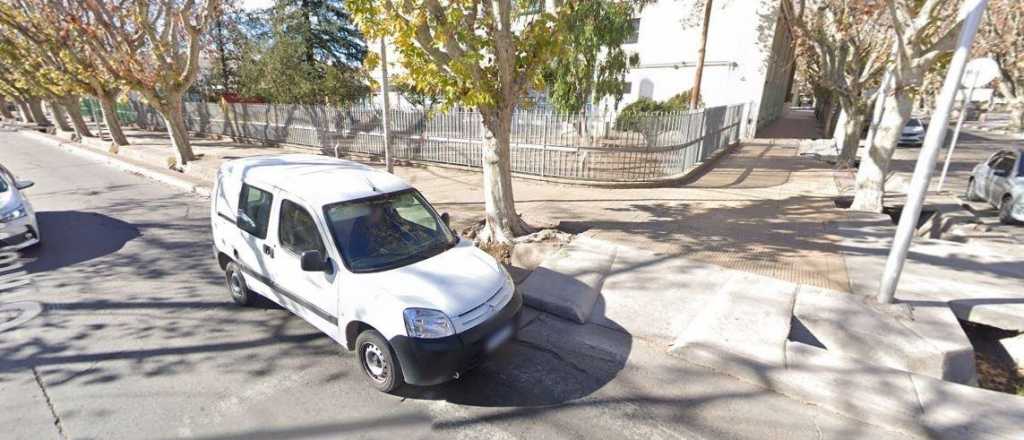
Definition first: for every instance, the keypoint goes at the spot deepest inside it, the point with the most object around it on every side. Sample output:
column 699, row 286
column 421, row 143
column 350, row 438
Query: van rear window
column 254, row 210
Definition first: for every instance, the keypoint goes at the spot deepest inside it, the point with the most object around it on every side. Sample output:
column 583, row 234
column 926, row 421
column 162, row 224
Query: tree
column 482, row 53
column 49, row 58
column 1002, row 38
column 923, row 30
column 849, row 46
column 698, row 75
column 151, row 47
column 311, row 53
column 226, row 49
column 592, row 64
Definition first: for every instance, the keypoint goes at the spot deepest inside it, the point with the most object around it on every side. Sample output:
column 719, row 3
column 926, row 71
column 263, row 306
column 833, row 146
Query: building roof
column 318, row 180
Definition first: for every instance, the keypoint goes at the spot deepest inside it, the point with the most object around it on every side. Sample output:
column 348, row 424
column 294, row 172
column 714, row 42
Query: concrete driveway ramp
column 750, row 317
column 568, row 282
column 980, row 282
column 923, row 339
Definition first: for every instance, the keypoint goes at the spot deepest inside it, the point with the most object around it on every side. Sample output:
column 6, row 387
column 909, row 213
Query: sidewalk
column 761, row 209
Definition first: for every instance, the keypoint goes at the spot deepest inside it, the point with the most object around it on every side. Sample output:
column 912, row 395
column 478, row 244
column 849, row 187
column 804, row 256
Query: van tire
column 378, row 361
column 240, row 292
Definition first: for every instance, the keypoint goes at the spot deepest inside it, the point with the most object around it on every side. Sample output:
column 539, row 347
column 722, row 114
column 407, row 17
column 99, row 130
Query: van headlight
column 14, row 214
column 427, row 324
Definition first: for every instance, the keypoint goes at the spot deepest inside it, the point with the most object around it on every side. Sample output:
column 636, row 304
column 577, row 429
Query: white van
column 362, row 256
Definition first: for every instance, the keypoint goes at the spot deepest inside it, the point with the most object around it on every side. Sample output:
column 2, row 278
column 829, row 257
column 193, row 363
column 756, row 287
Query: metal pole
column 385, row 91
column 956, row 132
column 929, row 153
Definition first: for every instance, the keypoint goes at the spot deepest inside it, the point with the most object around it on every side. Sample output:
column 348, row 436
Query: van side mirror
column 313, row 261
column 446, row 219
column 23, row 184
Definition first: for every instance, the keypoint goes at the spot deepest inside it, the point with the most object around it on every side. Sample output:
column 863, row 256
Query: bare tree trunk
column 59, row 116
column 874, row 163
column 503, row 223
column 1017, row 114
column 699, row 74
column 35, row 108
column 848, row 136
column 176, row 129
column 73, row 107
column 3, row 109
column 109, row 110
column 26, row 113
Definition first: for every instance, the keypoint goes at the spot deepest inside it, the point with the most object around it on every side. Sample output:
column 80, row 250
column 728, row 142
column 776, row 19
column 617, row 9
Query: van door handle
column 268, row 250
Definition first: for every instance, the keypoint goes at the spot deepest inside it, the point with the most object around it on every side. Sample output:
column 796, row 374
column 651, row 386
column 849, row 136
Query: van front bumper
column 435, row 361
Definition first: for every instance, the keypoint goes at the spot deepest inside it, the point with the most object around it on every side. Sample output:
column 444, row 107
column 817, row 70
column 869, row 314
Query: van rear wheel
column 378, row 361
column 240, row 293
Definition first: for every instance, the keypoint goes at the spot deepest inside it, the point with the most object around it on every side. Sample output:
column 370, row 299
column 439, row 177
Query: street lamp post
column 929, row 153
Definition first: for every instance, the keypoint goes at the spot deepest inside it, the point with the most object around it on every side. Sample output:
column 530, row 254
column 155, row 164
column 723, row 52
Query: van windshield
column 388, row 231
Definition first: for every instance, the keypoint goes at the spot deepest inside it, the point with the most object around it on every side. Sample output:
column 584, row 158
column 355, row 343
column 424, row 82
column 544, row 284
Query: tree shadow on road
column 72, row 237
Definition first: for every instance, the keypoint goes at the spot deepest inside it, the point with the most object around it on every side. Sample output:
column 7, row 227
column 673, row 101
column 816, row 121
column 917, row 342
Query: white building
column 748, row 58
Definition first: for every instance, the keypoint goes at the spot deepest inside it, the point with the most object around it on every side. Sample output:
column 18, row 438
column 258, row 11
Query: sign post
column 979, row 72
column 933, row 140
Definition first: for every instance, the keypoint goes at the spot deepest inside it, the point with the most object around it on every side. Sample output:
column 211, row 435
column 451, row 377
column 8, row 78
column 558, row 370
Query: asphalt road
column 127, row 331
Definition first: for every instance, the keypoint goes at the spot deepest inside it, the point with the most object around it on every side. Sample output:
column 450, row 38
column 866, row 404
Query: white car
column 360, row 254
column 913, row 132
column 18, row 226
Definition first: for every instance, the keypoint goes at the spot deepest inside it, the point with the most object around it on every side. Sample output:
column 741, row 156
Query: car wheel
column 1004, row 211
column 240, row 293
column 378, row 361
column 971, row 194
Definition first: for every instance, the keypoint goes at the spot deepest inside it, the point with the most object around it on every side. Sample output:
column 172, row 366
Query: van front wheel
column 236, row 285
column 378, row 361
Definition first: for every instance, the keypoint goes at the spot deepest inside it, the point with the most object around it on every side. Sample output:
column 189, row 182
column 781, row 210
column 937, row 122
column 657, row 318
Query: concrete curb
column 568, row 282
column 922, row 339
column 999, row 131
column 162, row 176
column 904, row 402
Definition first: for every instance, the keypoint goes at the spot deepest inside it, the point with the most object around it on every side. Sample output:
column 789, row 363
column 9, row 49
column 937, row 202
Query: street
column 138, row 338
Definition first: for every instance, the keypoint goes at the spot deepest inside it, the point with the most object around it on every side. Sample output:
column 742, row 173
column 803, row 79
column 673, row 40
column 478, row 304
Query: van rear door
column 255, row 210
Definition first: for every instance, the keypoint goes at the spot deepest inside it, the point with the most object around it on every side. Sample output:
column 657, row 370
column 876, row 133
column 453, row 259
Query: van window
column 297, row 231
column 387, row 231
column 1005, row 165
column 254, row 210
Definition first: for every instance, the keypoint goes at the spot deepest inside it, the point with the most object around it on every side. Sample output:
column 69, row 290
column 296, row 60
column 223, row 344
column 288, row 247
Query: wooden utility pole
column 698, row 76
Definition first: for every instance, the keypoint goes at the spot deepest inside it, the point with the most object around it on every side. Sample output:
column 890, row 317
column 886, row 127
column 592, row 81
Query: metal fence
column 543, row 143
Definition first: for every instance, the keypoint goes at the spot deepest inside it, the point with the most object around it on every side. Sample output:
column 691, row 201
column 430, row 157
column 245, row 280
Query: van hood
column 454, row 281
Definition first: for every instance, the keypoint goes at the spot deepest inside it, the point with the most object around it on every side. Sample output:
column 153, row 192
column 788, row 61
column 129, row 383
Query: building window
column 634, row 31
column 627, row 87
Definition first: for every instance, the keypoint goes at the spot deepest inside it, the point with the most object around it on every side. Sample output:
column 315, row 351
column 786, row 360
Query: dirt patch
column 527, row 251
column 894, row 213
column 996, row 370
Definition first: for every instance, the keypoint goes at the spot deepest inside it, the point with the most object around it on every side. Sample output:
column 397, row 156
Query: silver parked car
column 913, row 133
column 1000, row 181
